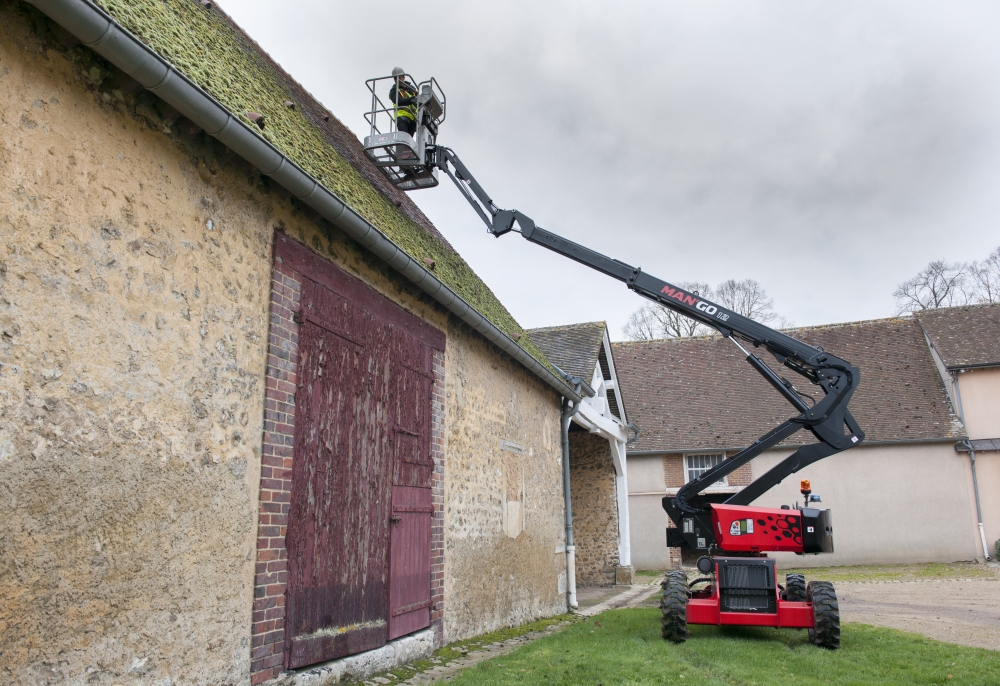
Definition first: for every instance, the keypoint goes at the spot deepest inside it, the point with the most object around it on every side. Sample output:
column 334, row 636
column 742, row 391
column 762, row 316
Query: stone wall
column 135, row 271
column 133, row 310
column 503, row 492
column 595, row 509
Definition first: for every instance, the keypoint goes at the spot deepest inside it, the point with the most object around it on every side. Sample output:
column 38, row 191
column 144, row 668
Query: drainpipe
column 979, row 510
column 570, row 408
column 972, row 464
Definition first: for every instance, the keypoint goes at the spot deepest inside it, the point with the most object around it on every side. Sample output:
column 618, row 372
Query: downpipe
column 979, row 510
column 972, row 465
column 570, row 408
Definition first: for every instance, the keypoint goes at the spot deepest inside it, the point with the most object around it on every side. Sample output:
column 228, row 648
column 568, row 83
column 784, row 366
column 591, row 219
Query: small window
column 696, row 465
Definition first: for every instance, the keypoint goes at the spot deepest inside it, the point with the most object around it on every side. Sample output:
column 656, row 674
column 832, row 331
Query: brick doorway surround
column 291, row 260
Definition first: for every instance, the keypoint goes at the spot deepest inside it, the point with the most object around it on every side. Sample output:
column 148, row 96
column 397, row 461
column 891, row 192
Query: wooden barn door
column 359, row 529
column 338, row 533
column 412, row 506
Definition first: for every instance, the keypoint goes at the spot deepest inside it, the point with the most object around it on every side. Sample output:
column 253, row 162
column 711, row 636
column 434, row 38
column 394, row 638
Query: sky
column 827, row 150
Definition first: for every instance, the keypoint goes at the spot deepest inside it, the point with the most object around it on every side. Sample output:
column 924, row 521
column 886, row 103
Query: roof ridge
column 812, row 327
column 601, row 323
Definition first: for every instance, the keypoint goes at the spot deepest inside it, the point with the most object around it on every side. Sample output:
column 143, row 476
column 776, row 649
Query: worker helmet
column 398, row 71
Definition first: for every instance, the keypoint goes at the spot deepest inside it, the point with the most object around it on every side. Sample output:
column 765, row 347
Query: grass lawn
column 921, row 572
column 624, row 647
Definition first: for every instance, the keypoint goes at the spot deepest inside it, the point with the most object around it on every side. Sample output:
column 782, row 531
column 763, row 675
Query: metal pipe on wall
column 569, row 409
column 972, row 464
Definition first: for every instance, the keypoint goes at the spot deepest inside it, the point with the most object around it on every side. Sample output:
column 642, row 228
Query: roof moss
column 206, row 48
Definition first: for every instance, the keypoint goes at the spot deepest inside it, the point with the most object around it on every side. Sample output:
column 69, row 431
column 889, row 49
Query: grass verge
column 459, row 649
column 624, row 647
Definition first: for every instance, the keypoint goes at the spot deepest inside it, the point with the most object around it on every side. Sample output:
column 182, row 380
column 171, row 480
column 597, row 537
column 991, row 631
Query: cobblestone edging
column 912, row 581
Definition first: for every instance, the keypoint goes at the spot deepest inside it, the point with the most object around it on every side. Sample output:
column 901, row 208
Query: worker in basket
column 403, row 95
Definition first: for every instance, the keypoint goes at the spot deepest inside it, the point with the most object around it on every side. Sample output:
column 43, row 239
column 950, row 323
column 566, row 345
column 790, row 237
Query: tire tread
column 826, row 611
column 673, row 607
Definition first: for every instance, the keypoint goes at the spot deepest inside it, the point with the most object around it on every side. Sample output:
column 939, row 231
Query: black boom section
column 829, row 420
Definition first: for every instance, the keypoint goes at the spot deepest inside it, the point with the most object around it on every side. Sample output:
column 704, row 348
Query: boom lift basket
column 407, row 161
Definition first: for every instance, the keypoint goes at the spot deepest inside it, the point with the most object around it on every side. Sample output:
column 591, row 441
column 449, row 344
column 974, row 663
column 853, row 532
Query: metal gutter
column 101, row 33
column 791, row 446
column 965, row 367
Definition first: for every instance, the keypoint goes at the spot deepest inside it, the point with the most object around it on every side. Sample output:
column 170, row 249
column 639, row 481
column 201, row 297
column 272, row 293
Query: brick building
column 256, row 413
column 696, row 401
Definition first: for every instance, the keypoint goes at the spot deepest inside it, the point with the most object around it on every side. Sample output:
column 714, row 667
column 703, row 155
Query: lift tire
column 673, row 607
column 795, row 588
column 826, row 613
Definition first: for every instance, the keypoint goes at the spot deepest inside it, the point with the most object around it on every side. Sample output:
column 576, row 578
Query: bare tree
column 939, row 284
column 746, row 297
column 986, row 279
column 652, row 320
column 643, row 325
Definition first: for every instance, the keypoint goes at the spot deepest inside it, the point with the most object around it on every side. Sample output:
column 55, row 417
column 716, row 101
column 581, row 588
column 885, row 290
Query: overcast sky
column 828, row 150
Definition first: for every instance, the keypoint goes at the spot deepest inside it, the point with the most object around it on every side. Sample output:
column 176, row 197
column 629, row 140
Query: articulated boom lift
column 742, row 588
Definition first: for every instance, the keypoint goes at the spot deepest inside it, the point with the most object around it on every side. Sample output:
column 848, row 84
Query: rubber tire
column 673, row 607
column 826, row 613
column 795, row 588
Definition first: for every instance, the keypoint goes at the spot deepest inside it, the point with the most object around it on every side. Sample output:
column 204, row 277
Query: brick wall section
column 268, row 630
column 673, row 472
column 268, row 633
column 595, row 509
column 437, row 486
column 742, row 476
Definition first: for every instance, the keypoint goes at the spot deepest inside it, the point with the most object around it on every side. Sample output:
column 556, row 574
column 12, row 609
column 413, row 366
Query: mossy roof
column 205, row 45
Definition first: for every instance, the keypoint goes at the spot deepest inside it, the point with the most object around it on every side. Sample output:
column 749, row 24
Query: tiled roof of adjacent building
column 205, row 45
column 574, row 348
column 964, row 336
column 700, row 394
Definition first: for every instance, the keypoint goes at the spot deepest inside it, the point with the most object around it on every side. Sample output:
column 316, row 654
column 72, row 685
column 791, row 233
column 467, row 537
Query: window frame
column 721, row 483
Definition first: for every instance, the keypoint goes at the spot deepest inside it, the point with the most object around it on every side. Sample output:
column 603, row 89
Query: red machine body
column 739, row 528
column 709, row 605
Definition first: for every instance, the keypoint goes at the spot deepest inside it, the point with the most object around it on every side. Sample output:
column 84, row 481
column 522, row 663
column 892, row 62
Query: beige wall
column 647, row 520
column 595, row 508
column 988, row 475
column 134, row 277
column 499, row 572
column 891, row 504
column 980, row 390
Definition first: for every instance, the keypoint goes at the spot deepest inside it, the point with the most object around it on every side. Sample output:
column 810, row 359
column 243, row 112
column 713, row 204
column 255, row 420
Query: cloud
column 828, row 150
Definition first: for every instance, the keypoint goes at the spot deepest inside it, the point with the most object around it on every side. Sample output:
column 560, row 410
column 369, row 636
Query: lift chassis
column 733, row 536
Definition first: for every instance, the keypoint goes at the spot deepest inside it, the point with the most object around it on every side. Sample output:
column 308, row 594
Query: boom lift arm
column 828, row 419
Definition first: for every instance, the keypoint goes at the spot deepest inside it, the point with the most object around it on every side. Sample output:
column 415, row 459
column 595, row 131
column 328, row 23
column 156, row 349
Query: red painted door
column 338, row 532
column 359, row 528
column 412, row 505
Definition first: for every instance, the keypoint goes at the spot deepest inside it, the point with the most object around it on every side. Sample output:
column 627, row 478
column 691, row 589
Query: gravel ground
column 955, row 611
